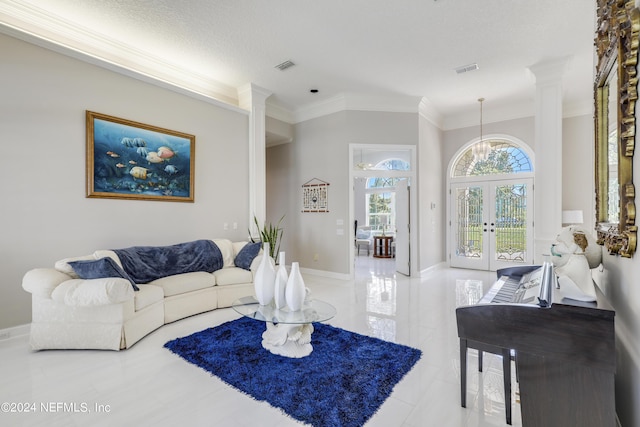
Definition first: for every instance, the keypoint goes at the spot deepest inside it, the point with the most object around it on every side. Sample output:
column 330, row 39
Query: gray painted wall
column 321, row 150
column 45, row 214
column 431, row 223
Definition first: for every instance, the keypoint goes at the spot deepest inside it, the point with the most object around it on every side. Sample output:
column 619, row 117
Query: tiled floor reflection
column 147, row 385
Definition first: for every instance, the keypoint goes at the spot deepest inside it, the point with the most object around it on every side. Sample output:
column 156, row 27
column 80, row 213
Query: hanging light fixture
column 481, row 149
column 362, row 165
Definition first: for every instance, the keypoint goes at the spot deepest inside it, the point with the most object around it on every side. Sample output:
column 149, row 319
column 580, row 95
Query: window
column 380, row 197
column 504, row 158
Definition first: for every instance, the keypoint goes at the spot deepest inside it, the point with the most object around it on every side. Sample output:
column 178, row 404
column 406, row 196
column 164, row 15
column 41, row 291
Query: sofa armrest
column 42, row 281
column 93, row 292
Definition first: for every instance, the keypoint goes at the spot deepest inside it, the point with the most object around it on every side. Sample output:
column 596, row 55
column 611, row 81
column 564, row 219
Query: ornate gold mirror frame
column 617, row 52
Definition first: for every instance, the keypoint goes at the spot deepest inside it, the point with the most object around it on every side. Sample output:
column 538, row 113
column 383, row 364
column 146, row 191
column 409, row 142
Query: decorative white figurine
column 574, row 254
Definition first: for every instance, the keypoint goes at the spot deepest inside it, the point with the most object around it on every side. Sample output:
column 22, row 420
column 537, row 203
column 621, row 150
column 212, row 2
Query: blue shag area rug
column 342, row 383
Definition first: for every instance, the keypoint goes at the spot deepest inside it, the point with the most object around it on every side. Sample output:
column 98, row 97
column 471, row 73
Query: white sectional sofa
column 107, row 313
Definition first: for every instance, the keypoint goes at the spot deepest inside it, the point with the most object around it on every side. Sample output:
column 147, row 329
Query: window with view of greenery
column 504, row 158
column 380, row 196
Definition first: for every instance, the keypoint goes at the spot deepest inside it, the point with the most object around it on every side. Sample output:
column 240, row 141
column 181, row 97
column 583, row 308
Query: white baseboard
column 322, row 273
column 433, row 268
column 15, row 331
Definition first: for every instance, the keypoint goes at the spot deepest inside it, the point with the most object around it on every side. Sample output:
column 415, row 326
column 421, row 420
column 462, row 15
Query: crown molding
column 491, row 115
column 429, row 112
column 34, row 25
column 279, row 112
column 357, row 102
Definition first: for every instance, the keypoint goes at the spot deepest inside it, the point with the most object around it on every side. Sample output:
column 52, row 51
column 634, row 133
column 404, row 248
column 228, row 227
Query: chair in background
column 363, row 239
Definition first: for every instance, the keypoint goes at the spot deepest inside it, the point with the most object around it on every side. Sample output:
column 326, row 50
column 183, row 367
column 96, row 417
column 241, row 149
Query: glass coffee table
column 288, row 332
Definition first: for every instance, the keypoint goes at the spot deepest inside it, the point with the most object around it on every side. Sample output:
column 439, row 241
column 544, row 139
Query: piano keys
column 565, row 352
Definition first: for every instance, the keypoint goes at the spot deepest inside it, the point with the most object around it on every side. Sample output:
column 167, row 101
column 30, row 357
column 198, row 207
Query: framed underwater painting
column 130, row 160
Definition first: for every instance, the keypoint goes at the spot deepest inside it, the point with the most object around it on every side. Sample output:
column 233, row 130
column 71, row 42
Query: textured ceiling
column 375, row 48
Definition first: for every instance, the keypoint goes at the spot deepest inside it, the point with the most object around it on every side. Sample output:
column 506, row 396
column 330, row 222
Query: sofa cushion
column 148, row 295
column 232, row 276
column 247, row 254
column 100, row 268
column 183, row 283
column 93, row 292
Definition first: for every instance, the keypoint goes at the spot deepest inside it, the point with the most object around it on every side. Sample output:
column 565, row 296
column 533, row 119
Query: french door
column 491, row 224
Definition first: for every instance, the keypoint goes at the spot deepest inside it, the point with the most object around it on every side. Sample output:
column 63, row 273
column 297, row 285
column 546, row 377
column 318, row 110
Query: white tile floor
column 148, row 385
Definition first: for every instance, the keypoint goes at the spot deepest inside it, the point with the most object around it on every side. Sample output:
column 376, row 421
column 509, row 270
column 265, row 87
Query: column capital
column 549, row 71
column 250, row 95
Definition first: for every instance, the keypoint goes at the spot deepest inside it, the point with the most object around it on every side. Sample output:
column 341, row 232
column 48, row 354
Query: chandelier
column 481, row 149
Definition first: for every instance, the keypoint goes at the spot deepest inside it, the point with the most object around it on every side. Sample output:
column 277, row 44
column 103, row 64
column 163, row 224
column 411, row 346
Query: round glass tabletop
column 312, row 311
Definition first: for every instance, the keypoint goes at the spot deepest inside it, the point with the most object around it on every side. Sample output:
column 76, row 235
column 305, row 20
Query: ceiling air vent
column 467, row 68
column 283, row 66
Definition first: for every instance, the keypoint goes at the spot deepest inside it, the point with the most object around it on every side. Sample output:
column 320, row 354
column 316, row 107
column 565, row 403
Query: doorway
column 380, row 199
column 491, row 206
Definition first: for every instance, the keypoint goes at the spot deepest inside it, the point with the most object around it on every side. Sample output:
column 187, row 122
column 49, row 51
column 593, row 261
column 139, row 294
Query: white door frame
column 413, row 214
column 450, row 180
column 403, row 232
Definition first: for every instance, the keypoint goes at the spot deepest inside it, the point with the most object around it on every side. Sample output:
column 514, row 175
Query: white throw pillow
column 226, row 247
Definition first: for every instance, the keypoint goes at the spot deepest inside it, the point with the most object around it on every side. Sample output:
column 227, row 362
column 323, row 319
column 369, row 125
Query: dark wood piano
column 565, row 353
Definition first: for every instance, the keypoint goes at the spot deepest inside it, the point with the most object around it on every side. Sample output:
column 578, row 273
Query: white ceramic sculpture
column 574, row 254
column 264, row 279
column 281, row 283
column 295, row 291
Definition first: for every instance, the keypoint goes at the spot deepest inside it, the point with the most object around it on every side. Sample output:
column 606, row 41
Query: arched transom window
column 497, row 156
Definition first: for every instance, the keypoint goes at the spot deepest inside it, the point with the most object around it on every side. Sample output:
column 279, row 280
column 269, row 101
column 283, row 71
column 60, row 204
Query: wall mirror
column 615, row 94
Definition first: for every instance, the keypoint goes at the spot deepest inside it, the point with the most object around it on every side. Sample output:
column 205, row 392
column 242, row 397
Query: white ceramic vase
column 265, row 277
column 295, row 291
column 280, row 283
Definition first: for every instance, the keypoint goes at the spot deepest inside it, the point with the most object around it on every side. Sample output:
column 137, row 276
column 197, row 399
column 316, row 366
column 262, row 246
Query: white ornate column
column 253, row 98
column 548, row 154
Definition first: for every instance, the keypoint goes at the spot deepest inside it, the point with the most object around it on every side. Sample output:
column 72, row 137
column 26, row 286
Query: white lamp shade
column 572, row 217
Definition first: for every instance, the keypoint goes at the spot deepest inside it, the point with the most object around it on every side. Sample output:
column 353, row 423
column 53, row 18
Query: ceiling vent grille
column 283, row 66
column 467, row 68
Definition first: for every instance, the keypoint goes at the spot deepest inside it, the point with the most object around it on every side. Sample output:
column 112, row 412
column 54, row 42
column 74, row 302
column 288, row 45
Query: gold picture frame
column 131, row 160
column 615, row 94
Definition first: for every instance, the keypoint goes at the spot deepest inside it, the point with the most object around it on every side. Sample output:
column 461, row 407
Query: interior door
column 491, row 224
column 403, row 228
